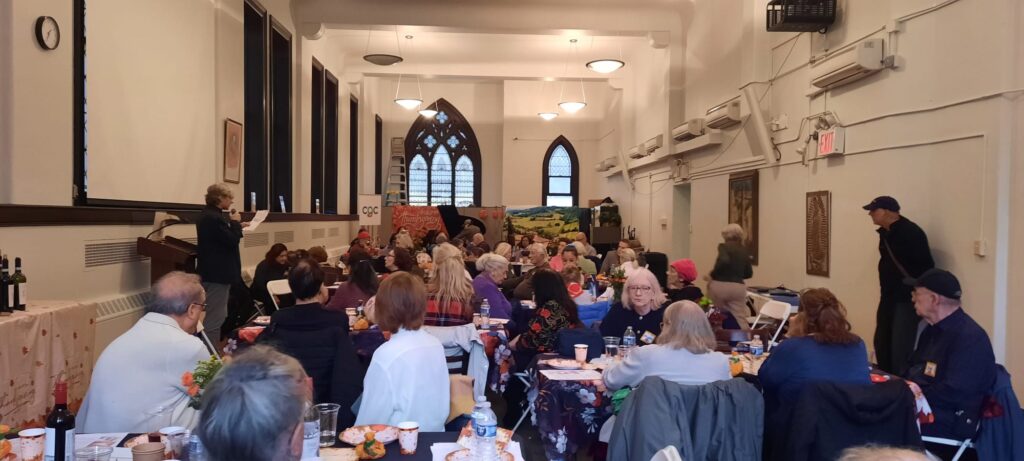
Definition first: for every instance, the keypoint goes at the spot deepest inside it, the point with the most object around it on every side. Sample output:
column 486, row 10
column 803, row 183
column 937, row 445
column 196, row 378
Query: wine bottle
column 5, row 283
column 20, row 284
column 60, row 426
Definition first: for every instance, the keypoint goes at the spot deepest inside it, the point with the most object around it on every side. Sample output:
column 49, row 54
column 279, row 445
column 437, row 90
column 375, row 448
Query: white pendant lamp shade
column 548, row 116
column 408, row 103
column 429, row 112
column 605, row 66
column 382, row 59
column 572, row 106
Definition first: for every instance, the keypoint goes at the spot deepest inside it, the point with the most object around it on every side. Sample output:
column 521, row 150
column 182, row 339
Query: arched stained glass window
column 561, row 174
column 418, row 181
column 441, row 178
column 464, row 184
column 442, row 141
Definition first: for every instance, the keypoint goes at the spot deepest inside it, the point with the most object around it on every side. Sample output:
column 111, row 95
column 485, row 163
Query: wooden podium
column 167, row 255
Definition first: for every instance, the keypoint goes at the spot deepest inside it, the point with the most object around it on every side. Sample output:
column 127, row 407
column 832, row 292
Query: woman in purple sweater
column 493, row 270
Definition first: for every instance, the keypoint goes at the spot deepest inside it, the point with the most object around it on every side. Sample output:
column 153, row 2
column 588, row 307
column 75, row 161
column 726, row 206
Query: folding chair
column 278, row 288
column 668, row 453
column 963, row 444
column 527, row 381
column 777, row 310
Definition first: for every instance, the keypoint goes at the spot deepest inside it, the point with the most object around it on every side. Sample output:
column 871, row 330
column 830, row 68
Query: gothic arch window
column 561, row 184
column 444, row 159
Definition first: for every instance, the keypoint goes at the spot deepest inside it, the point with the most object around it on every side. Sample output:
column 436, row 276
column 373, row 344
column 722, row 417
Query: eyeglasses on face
column 640, row 289
column 201, row 305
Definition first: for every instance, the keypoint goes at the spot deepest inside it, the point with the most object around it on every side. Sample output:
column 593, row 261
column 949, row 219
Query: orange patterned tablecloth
column 38, row 344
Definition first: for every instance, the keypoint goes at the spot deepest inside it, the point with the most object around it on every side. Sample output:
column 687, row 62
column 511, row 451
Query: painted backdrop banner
column 417, row 219
column 547, row 222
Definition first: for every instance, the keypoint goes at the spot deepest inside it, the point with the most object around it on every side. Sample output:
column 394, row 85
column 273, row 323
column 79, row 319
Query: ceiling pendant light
column 546, row 115
column 607, row 65
column 381, row 59
column 571, row 105
column 406, row 103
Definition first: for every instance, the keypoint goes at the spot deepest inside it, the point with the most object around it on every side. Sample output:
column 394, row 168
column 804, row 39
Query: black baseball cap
column 938, row 281
column 884, row 202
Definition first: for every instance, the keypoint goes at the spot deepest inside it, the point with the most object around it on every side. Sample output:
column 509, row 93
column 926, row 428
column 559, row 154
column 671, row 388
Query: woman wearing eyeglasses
column 640, row 308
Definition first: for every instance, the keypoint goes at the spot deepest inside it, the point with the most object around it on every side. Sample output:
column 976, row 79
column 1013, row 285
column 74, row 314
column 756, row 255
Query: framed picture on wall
column 743, row 192
column 819, row 223
column 232, row 151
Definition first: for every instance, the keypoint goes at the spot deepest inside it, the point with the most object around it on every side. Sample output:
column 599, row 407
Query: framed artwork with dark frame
column 232, row 151
column 819, row 223
column 743, row 207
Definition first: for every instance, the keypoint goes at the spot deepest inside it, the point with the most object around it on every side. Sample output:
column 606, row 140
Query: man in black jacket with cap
column 904, row 253
column 954, row 363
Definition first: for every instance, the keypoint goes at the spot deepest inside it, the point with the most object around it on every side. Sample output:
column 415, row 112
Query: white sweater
column 676, row 365
column 407, row 381
column 137, row 374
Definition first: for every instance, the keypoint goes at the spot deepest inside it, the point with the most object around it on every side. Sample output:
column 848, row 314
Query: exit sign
column 831, row 141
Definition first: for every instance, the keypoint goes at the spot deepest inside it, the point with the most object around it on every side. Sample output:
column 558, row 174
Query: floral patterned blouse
column 543, row 328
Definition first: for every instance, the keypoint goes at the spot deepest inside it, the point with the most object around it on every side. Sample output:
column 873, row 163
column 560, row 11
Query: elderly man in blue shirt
column 953, row 363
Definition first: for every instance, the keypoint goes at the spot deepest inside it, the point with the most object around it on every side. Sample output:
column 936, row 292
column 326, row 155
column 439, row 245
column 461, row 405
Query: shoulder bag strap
column 894, row 260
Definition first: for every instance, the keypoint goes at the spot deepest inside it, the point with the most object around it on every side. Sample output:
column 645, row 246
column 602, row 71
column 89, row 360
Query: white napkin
column 439, row 450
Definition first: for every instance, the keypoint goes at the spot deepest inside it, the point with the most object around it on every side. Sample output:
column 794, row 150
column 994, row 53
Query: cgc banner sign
column 369, row 210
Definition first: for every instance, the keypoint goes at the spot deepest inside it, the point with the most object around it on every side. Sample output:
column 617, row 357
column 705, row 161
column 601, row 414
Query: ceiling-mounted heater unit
column 688, row 130
column 865, row 58
column 723, row 115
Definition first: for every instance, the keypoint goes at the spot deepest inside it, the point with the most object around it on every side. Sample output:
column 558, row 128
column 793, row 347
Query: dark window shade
column 316, row 108
column 255, row 90
column 353, row 155
column 378, row 153
column 330, row 202
column 280, row 117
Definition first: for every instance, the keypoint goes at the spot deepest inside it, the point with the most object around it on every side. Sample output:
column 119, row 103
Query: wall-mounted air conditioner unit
column 864, row 59
column 688, row 130
column 602, row 166
column 723, row 115
column 637, row 151
column 654, row 144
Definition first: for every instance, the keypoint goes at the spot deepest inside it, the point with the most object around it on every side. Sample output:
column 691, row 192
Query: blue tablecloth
column 590, row 313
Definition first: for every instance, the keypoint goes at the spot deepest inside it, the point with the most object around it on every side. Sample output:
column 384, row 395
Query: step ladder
column 397, row 191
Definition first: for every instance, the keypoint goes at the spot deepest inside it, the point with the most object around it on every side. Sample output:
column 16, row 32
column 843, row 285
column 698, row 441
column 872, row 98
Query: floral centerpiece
column 196, row 381
column 5, row 445
column 617, row 279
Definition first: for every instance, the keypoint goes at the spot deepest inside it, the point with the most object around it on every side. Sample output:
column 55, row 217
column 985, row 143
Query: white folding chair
column 963, row 444
column 777, row 310
column 668, row 453
column 278, row 288
column 527, row 381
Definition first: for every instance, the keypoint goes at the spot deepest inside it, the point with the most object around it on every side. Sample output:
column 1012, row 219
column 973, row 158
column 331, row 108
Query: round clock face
column 47, row 32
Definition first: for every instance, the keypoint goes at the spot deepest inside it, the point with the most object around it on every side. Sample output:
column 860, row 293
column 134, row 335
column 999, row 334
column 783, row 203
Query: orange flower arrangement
column 195, row 381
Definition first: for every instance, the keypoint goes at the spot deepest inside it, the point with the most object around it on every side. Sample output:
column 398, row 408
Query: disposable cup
column 408, row 436
column 33, row 444
column 581, row 352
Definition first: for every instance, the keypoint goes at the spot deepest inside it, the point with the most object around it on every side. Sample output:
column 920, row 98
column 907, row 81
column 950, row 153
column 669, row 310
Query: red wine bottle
column 19, row 284
column 5, row 283
column 60, row 426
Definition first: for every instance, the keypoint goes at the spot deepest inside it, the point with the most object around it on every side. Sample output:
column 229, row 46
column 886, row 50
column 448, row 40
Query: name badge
column 647, row 337
column 930, row 368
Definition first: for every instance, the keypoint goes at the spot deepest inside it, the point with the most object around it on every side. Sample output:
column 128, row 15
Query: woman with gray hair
column 640, row 308
column 220, row 262
column 726, row 288
column 493, row 270
column 253, row 408
column 683, row 353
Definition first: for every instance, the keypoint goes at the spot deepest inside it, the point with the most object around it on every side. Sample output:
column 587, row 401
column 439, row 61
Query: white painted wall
column 955, row 169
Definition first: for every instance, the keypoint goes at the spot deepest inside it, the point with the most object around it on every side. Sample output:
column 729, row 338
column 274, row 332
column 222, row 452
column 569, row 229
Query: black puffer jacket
column 319, row 340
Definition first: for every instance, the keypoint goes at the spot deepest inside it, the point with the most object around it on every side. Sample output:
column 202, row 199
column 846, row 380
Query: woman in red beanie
column 681, row 274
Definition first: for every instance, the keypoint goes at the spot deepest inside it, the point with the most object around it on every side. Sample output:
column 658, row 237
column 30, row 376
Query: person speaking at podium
column 220, row 263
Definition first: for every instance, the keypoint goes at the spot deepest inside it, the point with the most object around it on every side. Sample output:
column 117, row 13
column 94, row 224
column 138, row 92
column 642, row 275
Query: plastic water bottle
column 485, row 315
column 195, row 451
column 311, row 433
column 629, row 338
column 485, row 432
column 756, row 346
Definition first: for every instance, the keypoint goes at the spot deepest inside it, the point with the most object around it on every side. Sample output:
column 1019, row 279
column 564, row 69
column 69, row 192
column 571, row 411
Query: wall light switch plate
column 980, row 248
